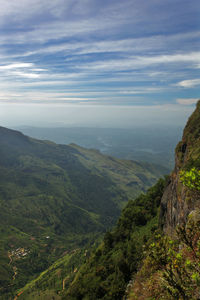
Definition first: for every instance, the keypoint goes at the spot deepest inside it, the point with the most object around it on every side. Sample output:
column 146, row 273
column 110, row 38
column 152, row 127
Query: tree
column 191, row 178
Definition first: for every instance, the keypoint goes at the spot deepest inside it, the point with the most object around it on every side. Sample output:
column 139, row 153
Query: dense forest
column 106, row 273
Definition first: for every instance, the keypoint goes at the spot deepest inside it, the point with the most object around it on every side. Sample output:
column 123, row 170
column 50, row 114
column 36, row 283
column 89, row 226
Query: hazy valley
column 148, row 144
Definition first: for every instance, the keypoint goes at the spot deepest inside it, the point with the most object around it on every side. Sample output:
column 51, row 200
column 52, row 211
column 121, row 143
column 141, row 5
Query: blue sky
column 130, row 53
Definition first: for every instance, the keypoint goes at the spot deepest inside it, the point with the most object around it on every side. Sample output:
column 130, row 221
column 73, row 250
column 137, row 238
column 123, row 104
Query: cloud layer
column 100, row 52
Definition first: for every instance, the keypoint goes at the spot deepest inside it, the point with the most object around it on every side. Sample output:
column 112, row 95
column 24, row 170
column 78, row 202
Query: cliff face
column 169, row 268
column 178, row 201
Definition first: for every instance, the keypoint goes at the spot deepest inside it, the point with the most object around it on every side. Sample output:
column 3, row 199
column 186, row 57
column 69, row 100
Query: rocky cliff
column 178, row 201
column 170, row 268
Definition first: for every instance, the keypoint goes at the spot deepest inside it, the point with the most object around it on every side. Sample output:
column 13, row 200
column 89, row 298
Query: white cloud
column 135, row 62
column 110, row 95
column 142, row 90
column 16, row 66
column 44, row 97
column 59, row 29
column 193, row 57
column 26, row 75
column 24, row 9
column 126, row 46
column 190, row 83
column 26, row 70
column 87, row 45
column 187, row 101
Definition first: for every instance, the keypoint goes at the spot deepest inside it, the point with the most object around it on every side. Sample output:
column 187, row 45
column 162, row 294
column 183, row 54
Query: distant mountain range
column 148, row 144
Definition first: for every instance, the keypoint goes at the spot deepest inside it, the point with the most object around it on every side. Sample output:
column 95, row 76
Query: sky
column 98, row 62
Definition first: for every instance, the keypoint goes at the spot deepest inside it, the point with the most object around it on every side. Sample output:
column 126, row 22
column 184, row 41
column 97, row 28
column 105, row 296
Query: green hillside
column 57, row 198
column 154, row 250
column 102, row 272
column 108, row 270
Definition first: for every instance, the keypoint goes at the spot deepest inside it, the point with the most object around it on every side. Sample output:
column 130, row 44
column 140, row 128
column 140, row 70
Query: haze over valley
column 142, row 144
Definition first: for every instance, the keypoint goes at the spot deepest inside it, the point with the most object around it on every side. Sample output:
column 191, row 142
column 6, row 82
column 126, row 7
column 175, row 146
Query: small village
column 19, row 253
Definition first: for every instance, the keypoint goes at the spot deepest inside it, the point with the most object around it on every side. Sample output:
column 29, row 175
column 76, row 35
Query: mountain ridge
column 56, row 198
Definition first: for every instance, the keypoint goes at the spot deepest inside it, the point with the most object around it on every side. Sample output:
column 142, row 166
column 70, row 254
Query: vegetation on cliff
column 171, row 268
column 110, row 267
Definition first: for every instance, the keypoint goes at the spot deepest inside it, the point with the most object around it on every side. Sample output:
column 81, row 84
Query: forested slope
column 57, row 198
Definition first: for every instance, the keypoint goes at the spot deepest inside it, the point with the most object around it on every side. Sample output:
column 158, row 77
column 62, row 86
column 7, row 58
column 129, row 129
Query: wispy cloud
column 27, row 97
column 135, row 62
column 16, row 66
column 114, row 51
column 26, row 70
column 187, row 101
column 26, row 75
column 189, row 83
column 155, row 43
column 116, row 95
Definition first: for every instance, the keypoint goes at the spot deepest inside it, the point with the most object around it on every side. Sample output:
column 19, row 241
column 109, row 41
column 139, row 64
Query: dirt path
column 18, row 295
column 10, row 257
column 15, row 272
column 14, row 267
